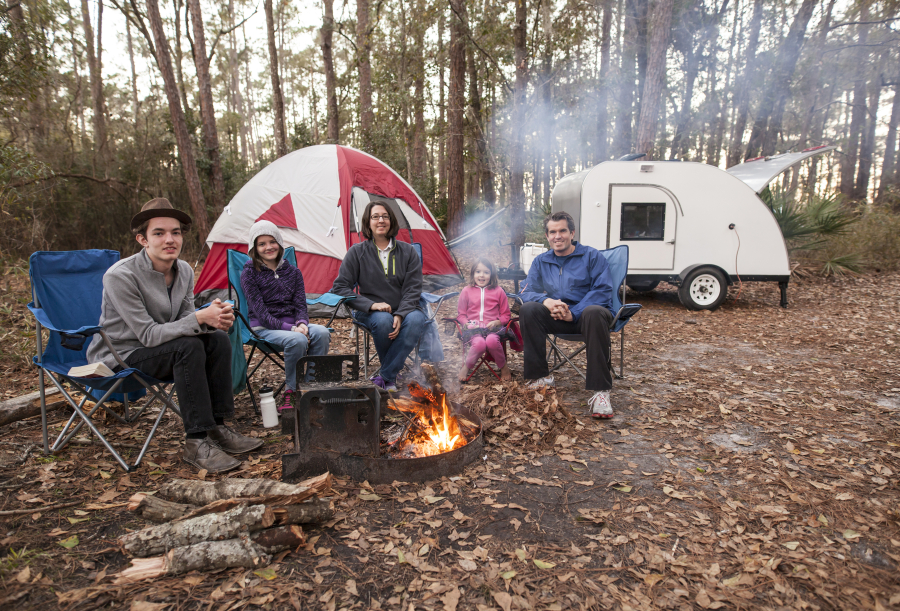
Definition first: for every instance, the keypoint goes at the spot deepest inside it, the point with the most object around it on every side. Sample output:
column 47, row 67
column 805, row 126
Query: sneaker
column 380, row 383
column 535, row 384
column 206, row 454
column 232, row 442
column 287, row 401
column 600, row 405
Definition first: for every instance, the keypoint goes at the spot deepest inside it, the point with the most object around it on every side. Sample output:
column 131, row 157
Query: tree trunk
column 544, row 171
column 179, row 56
column 207, row 110
column 601, row 151
column 179, row 125
column 442, row 106
column 867, row 146
column 858, row 114
column 135, row 104
column 363, row 50
column 456, row 188
column 744, row 86
column 485, row 175
column 517, row 157
column 624, row 137
column 236, row 95
column 212, row 527
column 888, row 167
column 277, row 97
column 762, row 138
column 101, row 146
column 419, row 153
column 661, row 24
column 333, row 133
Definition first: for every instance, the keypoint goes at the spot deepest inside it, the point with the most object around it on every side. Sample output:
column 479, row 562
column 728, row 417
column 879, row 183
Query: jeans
column 393, row 353
column 295, row 346
column 536, row 323
column 490, row 344
column 201, row 367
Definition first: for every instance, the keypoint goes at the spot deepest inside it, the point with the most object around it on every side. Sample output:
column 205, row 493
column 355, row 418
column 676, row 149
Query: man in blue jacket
column 569, row 291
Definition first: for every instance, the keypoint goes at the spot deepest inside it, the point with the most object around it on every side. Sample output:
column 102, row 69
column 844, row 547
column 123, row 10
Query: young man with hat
column 148, row 314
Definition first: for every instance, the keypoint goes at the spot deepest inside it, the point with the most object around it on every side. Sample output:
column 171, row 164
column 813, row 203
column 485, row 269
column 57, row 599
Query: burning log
column 432, row 377
column 203, row 493
column 156, row 509
column 214, row 527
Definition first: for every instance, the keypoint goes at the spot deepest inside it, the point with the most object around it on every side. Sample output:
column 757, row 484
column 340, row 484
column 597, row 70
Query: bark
column 624, row 137
column 236, row 96
column 601, row 151
column 857, row 115
column 744, row 86
column 207, row 109
column 205, row 556
column 517, row 161
column 484, row 176
column 442, row 107
column 656, row 76
column 101, row 145
column 419, row 153
column 762, row 138
column 26, row 406
column 364, row 67
column 197, row 492
column 867, row 146
column 312, row 512
column 277, row 96
column 274, row 540
column 155, row 509
column 179, row 56
column 135, row 104
column 456, row 188
column 888, row 169
column 545, row 160
column 212, row 527
column 333, row 133
column 179, row 125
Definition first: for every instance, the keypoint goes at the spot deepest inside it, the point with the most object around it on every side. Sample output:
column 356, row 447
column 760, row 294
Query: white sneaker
column 600, row 405
column 535, row 384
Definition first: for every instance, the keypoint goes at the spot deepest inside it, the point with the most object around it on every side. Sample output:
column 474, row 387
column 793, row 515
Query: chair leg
column 43, row 408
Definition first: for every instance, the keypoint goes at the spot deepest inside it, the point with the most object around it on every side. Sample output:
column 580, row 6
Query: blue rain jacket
column 582, row 280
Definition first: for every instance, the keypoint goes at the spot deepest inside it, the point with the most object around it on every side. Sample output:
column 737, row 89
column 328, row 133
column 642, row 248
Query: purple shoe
column 383, row 385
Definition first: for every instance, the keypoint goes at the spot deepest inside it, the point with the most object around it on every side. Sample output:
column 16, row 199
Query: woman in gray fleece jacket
column 387, row 275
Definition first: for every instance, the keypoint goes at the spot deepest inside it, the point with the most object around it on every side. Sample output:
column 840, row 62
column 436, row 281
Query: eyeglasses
column 380, row 217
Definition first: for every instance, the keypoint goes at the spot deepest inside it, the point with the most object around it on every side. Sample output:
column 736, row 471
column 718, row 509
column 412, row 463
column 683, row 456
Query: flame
column 439, row 432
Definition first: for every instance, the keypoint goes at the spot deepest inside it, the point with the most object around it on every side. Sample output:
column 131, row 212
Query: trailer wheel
column 703, row 289
column 643, row 287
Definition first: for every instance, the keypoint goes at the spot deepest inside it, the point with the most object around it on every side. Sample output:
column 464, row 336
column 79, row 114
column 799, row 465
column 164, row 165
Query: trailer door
column 643, row 217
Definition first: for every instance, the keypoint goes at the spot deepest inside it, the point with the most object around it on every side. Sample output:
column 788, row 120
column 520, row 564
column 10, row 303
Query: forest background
column 478, row 103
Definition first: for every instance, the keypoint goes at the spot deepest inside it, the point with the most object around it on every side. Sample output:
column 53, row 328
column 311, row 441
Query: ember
column 428, row 426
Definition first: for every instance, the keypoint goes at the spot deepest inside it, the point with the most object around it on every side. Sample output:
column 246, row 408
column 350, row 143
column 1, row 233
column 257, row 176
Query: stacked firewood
column 225, row 524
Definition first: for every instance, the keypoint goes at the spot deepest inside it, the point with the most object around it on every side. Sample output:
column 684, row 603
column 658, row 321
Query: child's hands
column 494, row 324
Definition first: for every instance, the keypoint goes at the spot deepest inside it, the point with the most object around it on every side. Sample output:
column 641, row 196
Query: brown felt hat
column 155, row 208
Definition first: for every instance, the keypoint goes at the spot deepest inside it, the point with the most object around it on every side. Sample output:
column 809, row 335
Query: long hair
column 492, row 283
column 367, row 215
column 258, row 262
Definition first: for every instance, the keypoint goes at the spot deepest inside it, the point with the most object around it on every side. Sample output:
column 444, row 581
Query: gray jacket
column 137, row 312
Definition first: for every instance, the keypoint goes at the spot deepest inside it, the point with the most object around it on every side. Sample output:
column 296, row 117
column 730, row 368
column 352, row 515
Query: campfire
column 425, row 425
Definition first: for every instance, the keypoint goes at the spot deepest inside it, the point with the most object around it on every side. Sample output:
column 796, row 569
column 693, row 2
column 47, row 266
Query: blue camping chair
column 429, row 303
column 271, row 352
column 618, row 265
column 67, row 291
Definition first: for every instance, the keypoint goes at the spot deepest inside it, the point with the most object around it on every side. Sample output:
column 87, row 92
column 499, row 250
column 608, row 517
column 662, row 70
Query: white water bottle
column 267, row 407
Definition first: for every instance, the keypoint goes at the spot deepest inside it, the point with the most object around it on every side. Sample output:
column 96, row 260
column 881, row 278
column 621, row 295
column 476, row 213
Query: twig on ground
column 22, row 512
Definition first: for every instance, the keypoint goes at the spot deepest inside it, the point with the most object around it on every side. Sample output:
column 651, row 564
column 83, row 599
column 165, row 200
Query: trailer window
column 643, row 221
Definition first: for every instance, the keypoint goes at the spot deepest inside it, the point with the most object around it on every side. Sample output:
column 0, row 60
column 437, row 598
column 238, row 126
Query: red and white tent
column 316, row 196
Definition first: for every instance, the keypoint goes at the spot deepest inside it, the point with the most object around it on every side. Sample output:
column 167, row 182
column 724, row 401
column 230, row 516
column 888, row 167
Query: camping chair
column 618, row 265
column 512, row 339
column 269, row 351
column 67, row 291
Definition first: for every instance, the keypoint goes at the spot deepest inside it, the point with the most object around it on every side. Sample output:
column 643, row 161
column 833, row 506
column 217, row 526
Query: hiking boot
column 601, row 406
column 536, row 384
column 380, row 383
column 206, row 454
column 287, row 401
column 231, row 442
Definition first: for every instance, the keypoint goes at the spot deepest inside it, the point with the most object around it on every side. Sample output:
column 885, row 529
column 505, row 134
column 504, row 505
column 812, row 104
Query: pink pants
column 491, row 344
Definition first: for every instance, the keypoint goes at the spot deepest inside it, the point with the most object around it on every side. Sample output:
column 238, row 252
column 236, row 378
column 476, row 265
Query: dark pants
column 201, row 367
column 536, row 323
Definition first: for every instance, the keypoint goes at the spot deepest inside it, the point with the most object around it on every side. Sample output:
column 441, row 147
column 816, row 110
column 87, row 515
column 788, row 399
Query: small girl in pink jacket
column 483, row 315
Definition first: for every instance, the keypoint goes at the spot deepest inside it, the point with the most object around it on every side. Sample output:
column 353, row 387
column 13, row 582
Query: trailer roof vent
column 646, row 167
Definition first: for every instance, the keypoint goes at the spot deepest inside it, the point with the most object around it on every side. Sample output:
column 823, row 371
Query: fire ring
column 339, row 430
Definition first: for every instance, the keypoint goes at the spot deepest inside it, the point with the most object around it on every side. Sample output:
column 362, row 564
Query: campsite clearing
column 753, row 463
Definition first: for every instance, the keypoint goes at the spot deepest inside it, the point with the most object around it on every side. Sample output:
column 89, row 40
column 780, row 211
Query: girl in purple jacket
column 483, row 314
column 277, row 303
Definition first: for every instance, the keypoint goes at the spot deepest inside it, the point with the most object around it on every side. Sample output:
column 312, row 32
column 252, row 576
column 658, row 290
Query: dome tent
column 316, row 196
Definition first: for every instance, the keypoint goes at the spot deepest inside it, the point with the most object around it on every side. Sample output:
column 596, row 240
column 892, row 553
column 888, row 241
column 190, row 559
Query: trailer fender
column 690, row 268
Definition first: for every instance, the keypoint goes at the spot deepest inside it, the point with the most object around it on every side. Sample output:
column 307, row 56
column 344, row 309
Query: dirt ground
column 752, row 464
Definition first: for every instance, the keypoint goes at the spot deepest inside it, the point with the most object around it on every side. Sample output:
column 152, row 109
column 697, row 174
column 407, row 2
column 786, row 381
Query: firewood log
column 156, row 509
column 314, row 512
column 213, row 527
column 197, row 492
column 433, row 378
column 274, row 540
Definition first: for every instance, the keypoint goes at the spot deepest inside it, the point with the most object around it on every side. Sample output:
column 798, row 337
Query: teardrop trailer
column 689, row 224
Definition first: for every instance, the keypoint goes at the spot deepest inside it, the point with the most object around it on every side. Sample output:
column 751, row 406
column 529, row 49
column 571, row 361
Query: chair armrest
column 515, row 297
column 625, row 313
column 331, row 300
